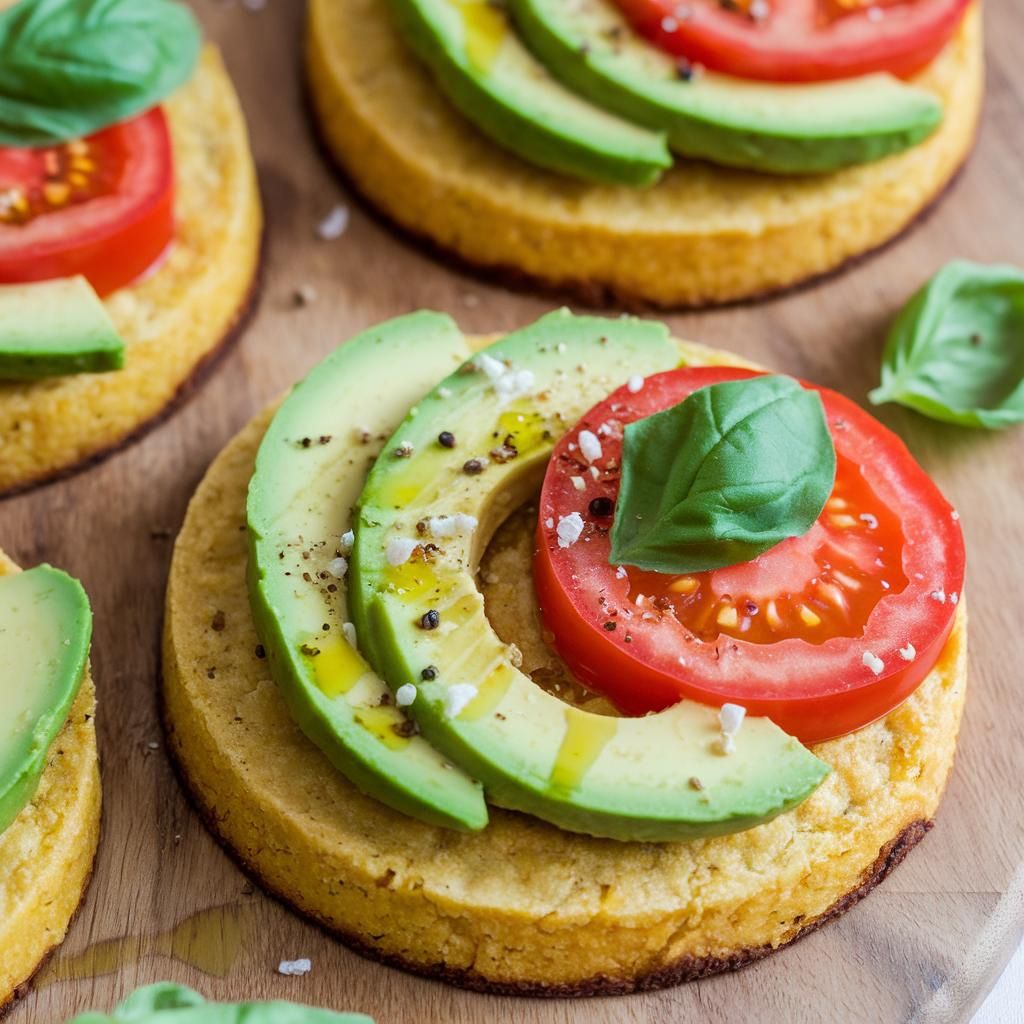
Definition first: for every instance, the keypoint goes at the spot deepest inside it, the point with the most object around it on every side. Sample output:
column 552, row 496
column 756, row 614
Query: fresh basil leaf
column 723, row 476
column 956, row 351
column 71, row 67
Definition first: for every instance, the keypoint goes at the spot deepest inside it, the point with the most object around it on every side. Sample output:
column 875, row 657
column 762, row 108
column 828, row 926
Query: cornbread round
column 47, row 853
column 703, row 235
column 174, row 319
column 521, row 907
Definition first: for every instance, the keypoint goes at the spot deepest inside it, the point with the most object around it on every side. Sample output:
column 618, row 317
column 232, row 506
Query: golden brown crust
column 175, row 321
column 521, row 906
column 47, row 853
column 704, row 235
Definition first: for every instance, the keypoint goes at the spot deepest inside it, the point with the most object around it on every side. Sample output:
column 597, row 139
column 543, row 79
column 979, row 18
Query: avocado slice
column 788, row 129
column 45, row 629
column 622, row 778
column 309, row 471
column 474, row 53
column 53, row 328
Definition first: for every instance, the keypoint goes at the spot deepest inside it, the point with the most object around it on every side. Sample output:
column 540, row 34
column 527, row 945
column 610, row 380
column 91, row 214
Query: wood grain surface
column 166, row 902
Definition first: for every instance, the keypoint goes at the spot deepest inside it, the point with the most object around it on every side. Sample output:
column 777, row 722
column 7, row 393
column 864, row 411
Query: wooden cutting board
column 166, row 902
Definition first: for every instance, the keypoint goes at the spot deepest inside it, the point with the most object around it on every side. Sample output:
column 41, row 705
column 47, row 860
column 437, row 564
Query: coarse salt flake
column 569, row 529
column 635, row 383
column 334, row 224
column 954, row 597
column 450, row 526
column 590, row 446
column 579, row 483
column 405, row 695
column 457, row 697
column 938, row 595
column 349, row 630
column 549, row 523
column 295, row 968
column 872, row 521
column 337, row 567
column 620, row 573
column 908, row 653
column 348, row 538
column 399, row 550
column 873, row 662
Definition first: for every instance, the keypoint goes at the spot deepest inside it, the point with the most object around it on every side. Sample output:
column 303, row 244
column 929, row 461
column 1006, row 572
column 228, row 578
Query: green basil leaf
column 956, row 351
column 71, row 67
column 723, row 476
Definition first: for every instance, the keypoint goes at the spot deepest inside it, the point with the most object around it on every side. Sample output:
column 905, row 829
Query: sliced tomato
column 800, row 40
column 102, row 206
column 823, row 633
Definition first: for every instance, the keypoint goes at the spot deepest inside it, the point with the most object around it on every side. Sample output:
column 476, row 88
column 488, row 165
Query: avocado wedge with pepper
column 424, row 519
column 309, row 471
column 784, row 128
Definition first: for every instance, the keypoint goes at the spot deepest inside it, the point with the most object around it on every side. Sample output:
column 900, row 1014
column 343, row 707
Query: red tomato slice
column 800, row 40
column 101, row 206
column 823, row 633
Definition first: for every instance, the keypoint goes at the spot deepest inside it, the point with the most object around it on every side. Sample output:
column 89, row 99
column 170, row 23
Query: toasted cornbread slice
column 703, row 235
column 174, row 319
column 46, row 855
column 521, row 907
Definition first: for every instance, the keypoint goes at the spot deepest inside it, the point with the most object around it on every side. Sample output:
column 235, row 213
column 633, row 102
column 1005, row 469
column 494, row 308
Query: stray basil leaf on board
column 71, row 67
column 956, row 351
column 723, row 476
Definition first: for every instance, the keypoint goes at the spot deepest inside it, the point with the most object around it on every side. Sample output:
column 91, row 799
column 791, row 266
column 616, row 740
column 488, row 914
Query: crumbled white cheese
column 938, row 595
column 494, row 368
column 569, row 529
column 450, row 526
column 620, row 573
column 405, row 695
column 457, row 697
column 337, row 567
column 873, row 662
column 908, row 653
column 579, row 483
column 730, row 718
column 333, row 225
column 349, row 629
column 590, row 446
column 348, row 539
column 295, row 968
column 872, row 521
column 399, row 550
column 634, row 384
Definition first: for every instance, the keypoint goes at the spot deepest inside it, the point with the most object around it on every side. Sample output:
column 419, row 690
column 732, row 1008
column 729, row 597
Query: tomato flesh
column 800, row 40
column 823, row 633
column 102, row 206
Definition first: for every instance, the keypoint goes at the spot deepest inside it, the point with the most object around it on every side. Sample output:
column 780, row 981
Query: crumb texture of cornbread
column 703, row 235
column 47, row 853
column 173, row 319
column 522, row 906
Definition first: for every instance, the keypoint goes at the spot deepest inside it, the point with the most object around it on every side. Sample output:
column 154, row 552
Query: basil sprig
column 71, row 67
column 956, row 351
column 723, row 476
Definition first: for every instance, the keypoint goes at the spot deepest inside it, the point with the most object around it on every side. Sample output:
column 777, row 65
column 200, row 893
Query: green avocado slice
column 762, row 126
column 53, row 328
column 626, row 779
column 309, row 471
column 167, row 1003
column 45, row 630
column 483, row 68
